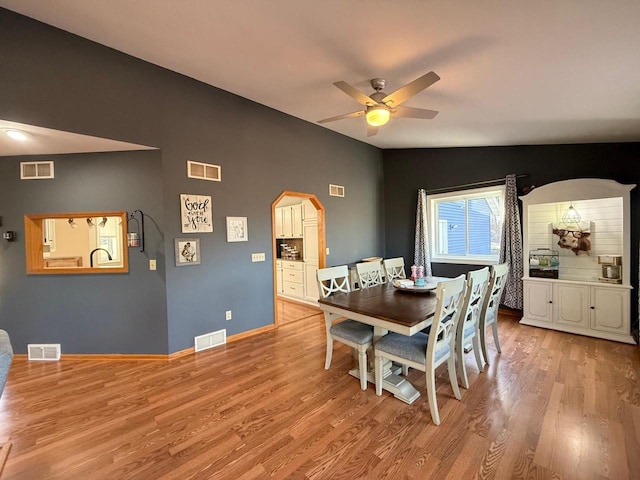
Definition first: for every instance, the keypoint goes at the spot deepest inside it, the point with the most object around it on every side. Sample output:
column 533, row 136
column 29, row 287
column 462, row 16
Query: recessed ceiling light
column 16, row 134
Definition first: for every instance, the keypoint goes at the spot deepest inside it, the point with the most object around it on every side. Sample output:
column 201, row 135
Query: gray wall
column 123, row 313
column 54, row 79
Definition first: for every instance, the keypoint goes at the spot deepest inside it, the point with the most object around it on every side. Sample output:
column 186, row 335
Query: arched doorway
column 304, row 250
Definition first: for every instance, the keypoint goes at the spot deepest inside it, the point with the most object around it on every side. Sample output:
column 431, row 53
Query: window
column 466, row 226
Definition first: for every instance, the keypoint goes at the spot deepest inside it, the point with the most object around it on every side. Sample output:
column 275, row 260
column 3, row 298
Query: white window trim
column 433, row 236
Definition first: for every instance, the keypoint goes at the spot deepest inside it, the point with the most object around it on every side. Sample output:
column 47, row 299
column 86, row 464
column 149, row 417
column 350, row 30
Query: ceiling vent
column 204, row 171
column 36, row 170
column 44, row 351
column 336, row 190
column 210, row 340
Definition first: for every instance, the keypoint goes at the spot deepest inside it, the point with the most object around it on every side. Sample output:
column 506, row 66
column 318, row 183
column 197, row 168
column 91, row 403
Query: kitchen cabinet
column 585, row 308
column 293, row 279
column 279, row 284
column 289, row 221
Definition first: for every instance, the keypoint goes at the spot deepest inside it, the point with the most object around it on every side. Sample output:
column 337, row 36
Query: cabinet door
column 310, row 281
column 287, row 228
column 279, row 287
column 296, row 221
column 571, row 305
column 610, row 310
column 538, row 301
column 279, row 212
column 310, row 241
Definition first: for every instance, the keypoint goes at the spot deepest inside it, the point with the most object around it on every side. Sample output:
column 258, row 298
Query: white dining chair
column 369, row 274
column 467, row 330
column 394, row 267
column 350, row 332
column 426, row 352
column 489, row 315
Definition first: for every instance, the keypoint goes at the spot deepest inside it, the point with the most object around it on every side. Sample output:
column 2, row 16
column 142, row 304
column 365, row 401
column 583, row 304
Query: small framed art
column 237, row 229
column 187, row 251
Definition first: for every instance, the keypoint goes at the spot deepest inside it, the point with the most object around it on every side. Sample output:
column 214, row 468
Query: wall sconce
column 103, row 222
column 9, row 236
column 90, row 223
column 135, row 236
column 571, row 216
column 72, row 223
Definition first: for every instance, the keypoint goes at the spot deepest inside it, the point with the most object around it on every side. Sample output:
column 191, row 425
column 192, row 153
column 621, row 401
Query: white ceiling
column 44, row 141
column 512, row 72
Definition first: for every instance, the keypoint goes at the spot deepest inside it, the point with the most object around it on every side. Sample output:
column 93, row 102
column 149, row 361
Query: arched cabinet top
column 577, row 189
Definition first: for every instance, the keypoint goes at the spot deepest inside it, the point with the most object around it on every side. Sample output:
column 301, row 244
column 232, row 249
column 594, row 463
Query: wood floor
column 552, row 405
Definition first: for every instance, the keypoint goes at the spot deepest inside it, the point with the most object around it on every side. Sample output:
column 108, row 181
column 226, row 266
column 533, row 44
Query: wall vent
column 210, row 340
column 36, row 170
column 43, row 351
column 204, row 171
column 336, row 190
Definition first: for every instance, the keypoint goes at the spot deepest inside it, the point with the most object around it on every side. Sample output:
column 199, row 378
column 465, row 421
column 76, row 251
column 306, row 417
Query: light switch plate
column 227, row 315
column 257, row 257
column 152, row 264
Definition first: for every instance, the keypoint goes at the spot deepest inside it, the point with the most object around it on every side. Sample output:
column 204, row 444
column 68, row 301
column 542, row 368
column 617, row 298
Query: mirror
column 73, row 243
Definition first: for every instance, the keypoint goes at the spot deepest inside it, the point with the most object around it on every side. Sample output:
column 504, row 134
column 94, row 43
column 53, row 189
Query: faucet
column 94, row 251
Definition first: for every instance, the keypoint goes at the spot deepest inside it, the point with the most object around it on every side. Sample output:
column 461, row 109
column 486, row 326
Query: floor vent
column 44, row 351
column 36, row 170
column 336, row 190
column 204, row 171
column 210, row 340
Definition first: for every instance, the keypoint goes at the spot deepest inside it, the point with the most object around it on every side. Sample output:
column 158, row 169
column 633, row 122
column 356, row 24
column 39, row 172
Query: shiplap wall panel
column 606, row 220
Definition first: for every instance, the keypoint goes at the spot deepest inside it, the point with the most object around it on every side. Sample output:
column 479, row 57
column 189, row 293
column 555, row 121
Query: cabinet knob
column 550, row 301
column 592, row 307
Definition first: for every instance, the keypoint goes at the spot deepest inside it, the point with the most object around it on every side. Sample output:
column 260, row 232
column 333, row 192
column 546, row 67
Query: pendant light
column 571, row 216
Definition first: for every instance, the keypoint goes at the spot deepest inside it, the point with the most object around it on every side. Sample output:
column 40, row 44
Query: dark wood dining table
column 387, row 309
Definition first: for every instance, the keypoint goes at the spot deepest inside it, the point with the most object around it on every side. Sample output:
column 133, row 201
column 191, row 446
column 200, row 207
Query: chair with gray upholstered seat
column 467, row 330
column 6, row 357
column 426, row 352
column 394, row 268
column 354, row 334
column 489, row 315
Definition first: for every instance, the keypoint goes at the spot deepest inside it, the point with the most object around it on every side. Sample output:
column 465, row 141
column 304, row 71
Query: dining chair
column 467, row 329
column 489, row 315
column 394, row 268
column 350, row 332
column 426, row 352
column 369, row 274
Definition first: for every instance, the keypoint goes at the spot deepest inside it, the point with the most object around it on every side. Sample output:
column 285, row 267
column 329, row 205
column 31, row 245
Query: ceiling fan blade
column 359, row 113
column 371, row 130
column 410, row 89
column 410, row 112
column 355, row 93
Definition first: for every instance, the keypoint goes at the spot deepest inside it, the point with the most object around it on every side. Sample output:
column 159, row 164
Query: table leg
column 401, row 388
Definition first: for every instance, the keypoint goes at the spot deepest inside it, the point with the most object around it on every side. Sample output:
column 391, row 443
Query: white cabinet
column 538, row 303
column 610, row 310
column 571, row 305
column 311, row 282
column 289, row 221
column 279, row 285
column 293, row 279
column 578, row 307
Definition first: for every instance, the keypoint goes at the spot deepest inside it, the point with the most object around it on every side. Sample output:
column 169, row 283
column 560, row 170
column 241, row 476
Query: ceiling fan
column 380, row 106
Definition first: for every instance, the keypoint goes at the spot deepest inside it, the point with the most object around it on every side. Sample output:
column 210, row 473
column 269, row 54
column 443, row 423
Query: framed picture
column 237, row 229
column 195, row 212
column 187, row 251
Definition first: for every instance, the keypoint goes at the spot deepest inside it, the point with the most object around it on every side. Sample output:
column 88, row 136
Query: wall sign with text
column 196, row 214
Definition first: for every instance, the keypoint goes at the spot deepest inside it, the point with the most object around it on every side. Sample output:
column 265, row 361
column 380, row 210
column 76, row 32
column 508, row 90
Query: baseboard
column 143, row 356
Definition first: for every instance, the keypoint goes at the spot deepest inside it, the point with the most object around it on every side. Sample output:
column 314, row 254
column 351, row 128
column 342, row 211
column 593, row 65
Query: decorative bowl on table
column 372, row 259
column 407, row 285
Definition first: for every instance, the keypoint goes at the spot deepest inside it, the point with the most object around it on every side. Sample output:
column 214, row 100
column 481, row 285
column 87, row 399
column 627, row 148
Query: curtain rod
column 474, row 184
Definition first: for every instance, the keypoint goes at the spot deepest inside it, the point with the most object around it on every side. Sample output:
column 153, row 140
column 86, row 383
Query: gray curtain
column 511, row 249
column 422, row 253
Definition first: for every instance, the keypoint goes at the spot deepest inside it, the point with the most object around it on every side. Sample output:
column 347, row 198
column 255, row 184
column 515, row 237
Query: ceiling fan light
column 378, row 116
